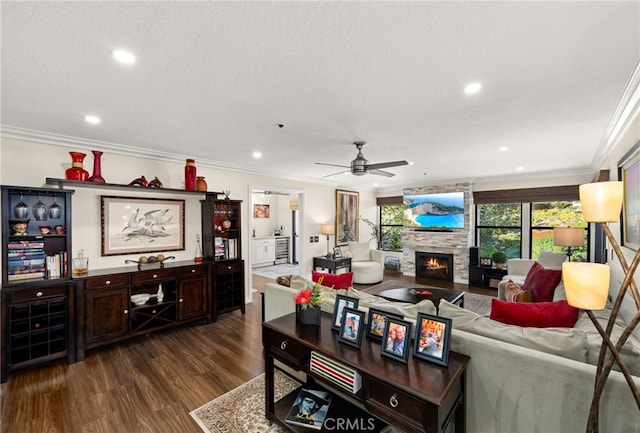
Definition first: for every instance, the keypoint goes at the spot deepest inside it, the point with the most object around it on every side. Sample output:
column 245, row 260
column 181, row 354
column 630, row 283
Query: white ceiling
column 214, row 79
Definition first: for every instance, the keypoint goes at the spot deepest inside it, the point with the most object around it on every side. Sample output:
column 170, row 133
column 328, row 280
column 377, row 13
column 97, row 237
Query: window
column 547, row 215
column 391, row 227
column 498, row 228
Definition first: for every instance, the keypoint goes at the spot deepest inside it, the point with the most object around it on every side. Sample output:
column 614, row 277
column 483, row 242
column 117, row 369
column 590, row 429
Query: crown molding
column 625, row 113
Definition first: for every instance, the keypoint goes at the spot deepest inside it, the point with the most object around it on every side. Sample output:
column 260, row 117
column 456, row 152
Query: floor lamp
column 587, row 288
column 568, row 237
column 327, row 229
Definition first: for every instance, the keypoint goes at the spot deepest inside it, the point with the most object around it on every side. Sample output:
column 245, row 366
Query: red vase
column 97, row 168
column 76, row 172
column 190, row 175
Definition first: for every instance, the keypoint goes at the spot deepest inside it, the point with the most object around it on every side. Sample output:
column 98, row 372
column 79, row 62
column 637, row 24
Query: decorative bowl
column 140, row 299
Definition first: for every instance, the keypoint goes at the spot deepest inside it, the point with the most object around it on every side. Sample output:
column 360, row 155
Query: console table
column 415, row 397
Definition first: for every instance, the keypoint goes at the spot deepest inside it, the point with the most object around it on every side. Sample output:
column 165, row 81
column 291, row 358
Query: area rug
column 241, row 410
column 480, row 304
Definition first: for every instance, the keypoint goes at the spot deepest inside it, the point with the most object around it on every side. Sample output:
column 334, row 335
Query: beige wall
column 30, row 163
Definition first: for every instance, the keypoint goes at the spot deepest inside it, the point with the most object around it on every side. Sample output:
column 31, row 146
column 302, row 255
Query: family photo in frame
column 396, row 341
column 342, row 302
column 351, row 327
column 432, row 339
column 376, row 323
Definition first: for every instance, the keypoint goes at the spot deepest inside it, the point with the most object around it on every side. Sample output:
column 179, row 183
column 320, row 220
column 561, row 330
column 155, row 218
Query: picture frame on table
column 432, row 339
column 396, row 341
column 486, row 262
column 337, row 253
column 352, row 327
column 342, row 302
column 376, row 322
column 629, row 174
column 347, row 211
column 132, row 225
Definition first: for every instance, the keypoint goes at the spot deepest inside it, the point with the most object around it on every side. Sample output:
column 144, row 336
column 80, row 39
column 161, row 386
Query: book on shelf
column 25, row 244
column 25, row 276
column 218, row 247
column 309, row 408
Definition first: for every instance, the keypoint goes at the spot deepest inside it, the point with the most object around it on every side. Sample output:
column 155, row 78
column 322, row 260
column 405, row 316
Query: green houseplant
column 499, row 258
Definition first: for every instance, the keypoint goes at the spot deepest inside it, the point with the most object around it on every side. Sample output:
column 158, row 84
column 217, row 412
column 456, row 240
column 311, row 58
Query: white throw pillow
column 359, row 251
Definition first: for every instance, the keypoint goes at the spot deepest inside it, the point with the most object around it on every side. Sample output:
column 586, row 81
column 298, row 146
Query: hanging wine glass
column 40, row 210
column 55, row 211
column 21, row 210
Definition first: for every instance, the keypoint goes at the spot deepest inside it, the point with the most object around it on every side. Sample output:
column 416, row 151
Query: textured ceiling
column 214, row 79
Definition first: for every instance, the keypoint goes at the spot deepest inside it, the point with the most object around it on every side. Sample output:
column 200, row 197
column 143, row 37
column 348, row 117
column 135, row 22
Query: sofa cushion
column 551, row 260
column 542, row 282
column 537, row 314
column 514, row 293
column 566, row 342
column 335, row 281
column 630, row 352
column 359, row 251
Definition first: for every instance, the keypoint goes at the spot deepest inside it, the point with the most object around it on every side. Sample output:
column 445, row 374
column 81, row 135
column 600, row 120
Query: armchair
column 367, row 265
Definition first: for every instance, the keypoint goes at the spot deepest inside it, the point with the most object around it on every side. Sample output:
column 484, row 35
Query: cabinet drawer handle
column 229, row 268
column 283, row 345
column 181, row 299
column 155, row 275
column 153, row 311
column 107, row 282
column 193, row 271
column 39, row 294
column 393, row 401
column 126, row 311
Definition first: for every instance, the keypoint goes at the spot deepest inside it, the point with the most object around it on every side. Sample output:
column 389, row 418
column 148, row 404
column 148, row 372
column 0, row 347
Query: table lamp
column 327, row 229
column 587, row 287
column 568, row 237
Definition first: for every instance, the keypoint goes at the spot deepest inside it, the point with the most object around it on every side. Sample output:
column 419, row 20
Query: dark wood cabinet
column 37, row 292
column 178, row 294
column 222, row 245
column 38, row 325
column 193, row 293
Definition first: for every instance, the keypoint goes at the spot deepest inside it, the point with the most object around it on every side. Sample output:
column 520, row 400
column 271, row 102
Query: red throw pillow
column 541, row 282
column 337, row 281
column 558, row 314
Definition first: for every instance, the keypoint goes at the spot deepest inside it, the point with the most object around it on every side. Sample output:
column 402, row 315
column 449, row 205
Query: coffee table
column 406, row 294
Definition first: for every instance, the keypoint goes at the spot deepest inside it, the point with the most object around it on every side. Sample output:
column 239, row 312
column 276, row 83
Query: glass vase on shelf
column 97, row 168
column 198, row 255
column 77, row 172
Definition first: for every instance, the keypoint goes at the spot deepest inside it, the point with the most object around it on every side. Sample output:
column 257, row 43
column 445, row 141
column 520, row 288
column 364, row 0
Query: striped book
column 344, row 377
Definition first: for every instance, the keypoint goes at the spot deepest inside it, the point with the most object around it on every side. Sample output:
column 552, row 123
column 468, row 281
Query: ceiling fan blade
column 333, row 165
column 386, row 165
column 381, row 173
column 334, row 174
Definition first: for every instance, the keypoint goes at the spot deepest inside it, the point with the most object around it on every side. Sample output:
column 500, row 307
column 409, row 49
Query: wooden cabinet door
column 107, row 315
column 192, row 298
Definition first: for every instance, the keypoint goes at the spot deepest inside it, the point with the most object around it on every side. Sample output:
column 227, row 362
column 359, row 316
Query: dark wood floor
column 149, row 384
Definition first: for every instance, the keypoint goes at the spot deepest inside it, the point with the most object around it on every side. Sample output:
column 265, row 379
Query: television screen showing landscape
column 434, row 211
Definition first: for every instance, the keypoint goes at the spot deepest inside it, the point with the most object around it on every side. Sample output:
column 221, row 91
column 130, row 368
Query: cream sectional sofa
column 519, row 379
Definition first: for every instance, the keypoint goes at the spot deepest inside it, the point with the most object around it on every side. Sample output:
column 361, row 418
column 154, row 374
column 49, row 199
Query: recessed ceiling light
column 94, row 120
column 411, row 163
column 472, row 88
column 124, row 57
column 257, row 154
column 503, row 149
column 519, row 168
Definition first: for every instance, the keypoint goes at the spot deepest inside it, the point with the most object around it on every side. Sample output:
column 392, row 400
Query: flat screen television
column 439, row 211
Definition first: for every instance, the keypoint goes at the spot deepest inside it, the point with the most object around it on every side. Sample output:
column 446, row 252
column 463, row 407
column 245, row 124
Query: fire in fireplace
column 434, row 265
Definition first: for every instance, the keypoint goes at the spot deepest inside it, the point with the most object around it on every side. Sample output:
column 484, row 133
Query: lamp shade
column 327, row 229
column 601, row 201
column 586, row 284
column 568, row 236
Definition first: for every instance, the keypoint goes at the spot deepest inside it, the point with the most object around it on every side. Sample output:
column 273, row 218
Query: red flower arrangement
column 309, row 298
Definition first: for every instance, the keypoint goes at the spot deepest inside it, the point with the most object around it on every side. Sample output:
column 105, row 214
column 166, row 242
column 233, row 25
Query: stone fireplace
column 436, row 266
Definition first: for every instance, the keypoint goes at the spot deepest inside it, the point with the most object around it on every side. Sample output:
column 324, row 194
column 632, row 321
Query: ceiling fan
column 360, row 166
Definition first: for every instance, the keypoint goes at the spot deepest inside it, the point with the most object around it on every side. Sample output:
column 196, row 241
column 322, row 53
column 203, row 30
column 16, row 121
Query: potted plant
column 499, row 258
